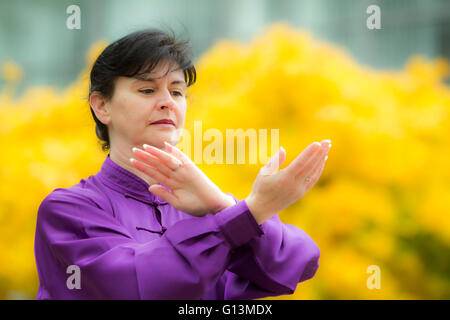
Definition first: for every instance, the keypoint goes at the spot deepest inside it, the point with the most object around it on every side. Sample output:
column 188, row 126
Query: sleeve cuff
column 238, row 224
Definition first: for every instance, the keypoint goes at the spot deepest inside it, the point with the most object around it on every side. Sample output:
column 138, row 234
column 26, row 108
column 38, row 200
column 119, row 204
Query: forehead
column 162, row 70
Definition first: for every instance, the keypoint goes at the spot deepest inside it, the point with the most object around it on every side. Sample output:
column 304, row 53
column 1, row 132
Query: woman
column 150, row 224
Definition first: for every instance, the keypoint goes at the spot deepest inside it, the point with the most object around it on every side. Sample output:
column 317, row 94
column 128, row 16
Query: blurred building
column 34, row 33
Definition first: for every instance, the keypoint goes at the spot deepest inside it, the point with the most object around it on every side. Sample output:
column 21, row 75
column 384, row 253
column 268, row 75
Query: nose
column 166, row 101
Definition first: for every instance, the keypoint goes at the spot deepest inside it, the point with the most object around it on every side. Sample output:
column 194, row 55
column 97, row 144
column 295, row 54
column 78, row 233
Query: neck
column 122, row 159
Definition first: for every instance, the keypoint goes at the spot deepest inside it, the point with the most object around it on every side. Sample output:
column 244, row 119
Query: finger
column 302, row 159
column 164, row 194
column 151, row 172
column 317, row 173
column 153, row 161
column 168, row 160
column 177, row 153
column 309, row 168
column 325, row 142
column 274, row 163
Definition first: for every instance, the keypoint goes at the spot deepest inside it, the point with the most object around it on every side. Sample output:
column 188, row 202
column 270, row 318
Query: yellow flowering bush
column 382, row 200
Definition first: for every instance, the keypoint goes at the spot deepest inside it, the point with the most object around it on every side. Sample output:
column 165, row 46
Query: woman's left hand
column 191, row 190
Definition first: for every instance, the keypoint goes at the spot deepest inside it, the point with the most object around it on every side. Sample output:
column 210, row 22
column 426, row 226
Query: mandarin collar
column 127, row 183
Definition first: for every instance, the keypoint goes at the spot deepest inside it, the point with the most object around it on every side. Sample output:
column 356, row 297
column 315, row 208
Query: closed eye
column 146, row 90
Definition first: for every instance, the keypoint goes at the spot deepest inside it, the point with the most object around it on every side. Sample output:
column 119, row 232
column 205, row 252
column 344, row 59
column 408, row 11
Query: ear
column 100, row 107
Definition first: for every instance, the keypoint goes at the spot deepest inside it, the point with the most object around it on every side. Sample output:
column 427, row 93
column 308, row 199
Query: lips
column 164, row 121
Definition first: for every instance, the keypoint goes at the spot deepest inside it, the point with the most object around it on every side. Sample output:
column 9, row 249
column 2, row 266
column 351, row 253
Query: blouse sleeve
column 184, row 263
column 272, row 264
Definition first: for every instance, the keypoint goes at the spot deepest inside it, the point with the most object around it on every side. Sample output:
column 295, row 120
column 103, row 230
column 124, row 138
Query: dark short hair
column 136, row 54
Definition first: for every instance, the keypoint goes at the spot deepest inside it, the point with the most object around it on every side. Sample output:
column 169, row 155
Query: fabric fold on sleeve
column 238, row 228
column 275, row 262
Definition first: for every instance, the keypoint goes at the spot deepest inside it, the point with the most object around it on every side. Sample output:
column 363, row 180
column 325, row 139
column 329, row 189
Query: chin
column 159, row 142
column 157, row 138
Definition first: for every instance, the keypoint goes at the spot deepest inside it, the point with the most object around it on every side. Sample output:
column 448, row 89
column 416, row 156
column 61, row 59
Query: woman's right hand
column 275, row 190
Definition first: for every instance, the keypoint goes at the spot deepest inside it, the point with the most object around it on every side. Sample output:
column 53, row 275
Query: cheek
column 134, row 110
column 181, row 114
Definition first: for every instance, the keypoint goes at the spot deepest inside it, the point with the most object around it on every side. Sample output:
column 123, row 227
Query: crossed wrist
column 254, row 209
column 224, row 201
column 238, row 224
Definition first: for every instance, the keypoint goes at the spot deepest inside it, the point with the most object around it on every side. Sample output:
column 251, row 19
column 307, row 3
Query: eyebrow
column 138, row 79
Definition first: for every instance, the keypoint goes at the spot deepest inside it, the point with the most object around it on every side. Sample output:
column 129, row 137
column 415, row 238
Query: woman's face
column 137, row 104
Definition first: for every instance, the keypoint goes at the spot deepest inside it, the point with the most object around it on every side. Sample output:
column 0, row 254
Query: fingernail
column 282, row 149
column 134, row 149
column 326, row 157
column 131, row 160
column 145, row 146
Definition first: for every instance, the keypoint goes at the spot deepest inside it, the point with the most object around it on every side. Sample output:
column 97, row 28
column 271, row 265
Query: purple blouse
column 128, row 243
